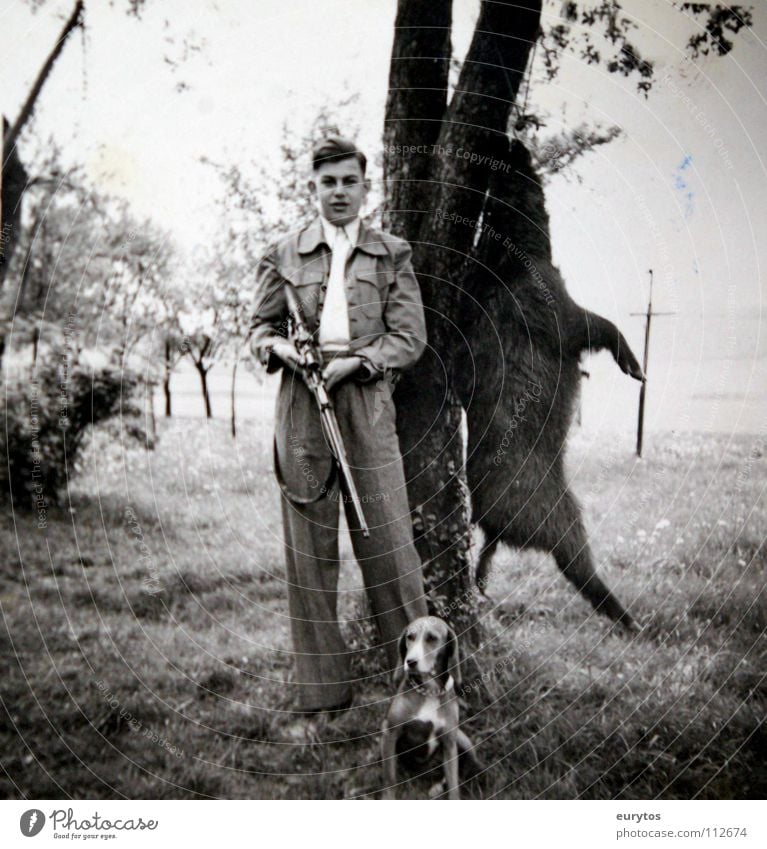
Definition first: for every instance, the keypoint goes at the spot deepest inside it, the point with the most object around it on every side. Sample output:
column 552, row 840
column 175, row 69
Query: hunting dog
column 422, row 723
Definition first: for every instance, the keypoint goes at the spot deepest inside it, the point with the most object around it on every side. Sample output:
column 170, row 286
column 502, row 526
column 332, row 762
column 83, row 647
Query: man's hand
column 286, row 351
column 339, row 369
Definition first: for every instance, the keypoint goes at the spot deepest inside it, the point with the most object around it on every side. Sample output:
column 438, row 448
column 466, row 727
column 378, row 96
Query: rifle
column 311, row 365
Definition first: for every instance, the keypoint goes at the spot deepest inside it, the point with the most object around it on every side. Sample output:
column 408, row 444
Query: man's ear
column 312, row 186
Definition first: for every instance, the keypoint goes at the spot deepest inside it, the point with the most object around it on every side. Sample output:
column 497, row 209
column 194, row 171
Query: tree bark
column 149, row 395
column 415, row 106
column 14, row 176
column 422, row 191
column 234, row 386
column 203, row 372
column 166, row 380
column 12, row 185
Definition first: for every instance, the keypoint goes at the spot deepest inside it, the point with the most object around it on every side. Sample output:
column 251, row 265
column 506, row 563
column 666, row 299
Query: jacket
column 386, row 318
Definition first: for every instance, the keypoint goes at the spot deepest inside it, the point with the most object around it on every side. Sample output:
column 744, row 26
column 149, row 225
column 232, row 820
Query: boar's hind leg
column 556, row 526
column 565, row 537
column 482, row 576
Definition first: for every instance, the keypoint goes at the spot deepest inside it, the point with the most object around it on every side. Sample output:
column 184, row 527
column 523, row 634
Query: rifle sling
column 297, row 499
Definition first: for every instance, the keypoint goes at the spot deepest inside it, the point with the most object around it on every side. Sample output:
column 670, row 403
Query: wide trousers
column 312, row 493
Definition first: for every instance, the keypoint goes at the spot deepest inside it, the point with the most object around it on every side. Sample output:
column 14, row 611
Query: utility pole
column 643, row 390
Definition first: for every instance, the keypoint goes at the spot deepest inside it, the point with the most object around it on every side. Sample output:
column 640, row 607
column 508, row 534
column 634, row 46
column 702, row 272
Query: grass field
column 146, row 651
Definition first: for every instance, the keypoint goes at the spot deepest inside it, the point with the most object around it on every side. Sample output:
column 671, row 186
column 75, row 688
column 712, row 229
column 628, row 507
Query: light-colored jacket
column 386, row 319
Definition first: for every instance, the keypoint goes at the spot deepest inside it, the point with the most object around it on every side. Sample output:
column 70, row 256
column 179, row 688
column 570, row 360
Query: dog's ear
column 398, row 675
column 453, row 657
column 402, row 645
column 448, row 661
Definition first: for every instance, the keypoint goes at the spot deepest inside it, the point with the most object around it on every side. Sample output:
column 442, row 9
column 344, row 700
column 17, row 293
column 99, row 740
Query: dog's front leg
column 450, row 764
column 466, row 748
column 389, row 762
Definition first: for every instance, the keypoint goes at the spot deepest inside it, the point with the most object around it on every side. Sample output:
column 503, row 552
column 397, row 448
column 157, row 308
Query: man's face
column 340, row 188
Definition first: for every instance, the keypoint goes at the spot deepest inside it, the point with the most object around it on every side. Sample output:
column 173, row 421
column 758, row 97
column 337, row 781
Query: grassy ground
column 145, row 646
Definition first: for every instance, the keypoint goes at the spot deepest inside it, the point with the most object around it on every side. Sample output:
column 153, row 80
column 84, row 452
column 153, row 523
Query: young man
column 361, row 300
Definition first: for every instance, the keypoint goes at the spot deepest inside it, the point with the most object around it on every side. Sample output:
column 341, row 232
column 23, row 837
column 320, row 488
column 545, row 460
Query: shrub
column 47, row 415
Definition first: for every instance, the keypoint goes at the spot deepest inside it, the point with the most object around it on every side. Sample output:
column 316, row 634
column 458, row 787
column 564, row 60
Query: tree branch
column 29, row 105
column 474, row 131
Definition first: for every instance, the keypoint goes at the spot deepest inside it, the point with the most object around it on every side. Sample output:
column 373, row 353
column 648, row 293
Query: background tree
column 124, row 307
column 14, row 176
column 85, row 266
column 58, row 228
column 203, row 320
column 168, row 336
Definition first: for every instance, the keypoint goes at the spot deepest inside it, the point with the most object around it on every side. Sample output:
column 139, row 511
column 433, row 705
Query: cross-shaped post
column 643, row 390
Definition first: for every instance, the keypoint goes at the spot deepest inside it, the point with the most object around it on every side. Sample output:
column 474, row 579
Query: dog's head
column 428, row 650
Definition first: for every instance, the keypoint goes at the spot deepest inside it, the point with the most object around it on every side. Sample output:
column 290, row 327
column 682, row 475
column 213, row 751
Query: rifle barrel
column 312, row 365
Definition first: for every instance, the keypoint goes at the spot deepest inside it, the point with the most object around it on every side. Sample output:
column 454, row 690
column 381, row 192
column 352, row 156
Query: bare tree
column 169, row 334
column 206, row 321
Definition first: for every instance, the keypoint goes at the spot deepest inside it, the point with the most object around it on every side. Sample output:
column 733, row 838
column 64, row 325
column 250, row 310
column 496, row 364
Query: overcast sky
column 682, row 191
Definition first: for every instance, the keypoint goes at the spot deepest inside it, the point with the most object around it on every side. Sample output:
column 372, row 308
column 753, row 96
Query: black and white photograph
column 385, row 409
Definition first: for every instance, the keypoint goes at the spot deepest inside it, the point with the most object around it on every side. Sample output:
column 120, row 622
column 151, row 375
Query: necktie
column 334, row 321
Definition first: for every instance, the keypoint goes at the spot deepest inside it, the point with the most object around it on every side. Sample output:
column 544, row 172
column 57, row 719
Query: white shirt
column 334, row 321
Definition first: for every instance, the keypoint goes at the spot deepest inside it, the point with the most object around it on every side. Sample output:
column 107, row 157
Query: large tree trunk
column 12, row 185
column 423, row 190
column 13, row 180
column 415, row 106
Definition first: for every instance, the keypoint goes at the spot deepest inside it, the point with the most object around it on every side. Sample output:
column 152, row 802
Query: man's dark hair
column 335, row 148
